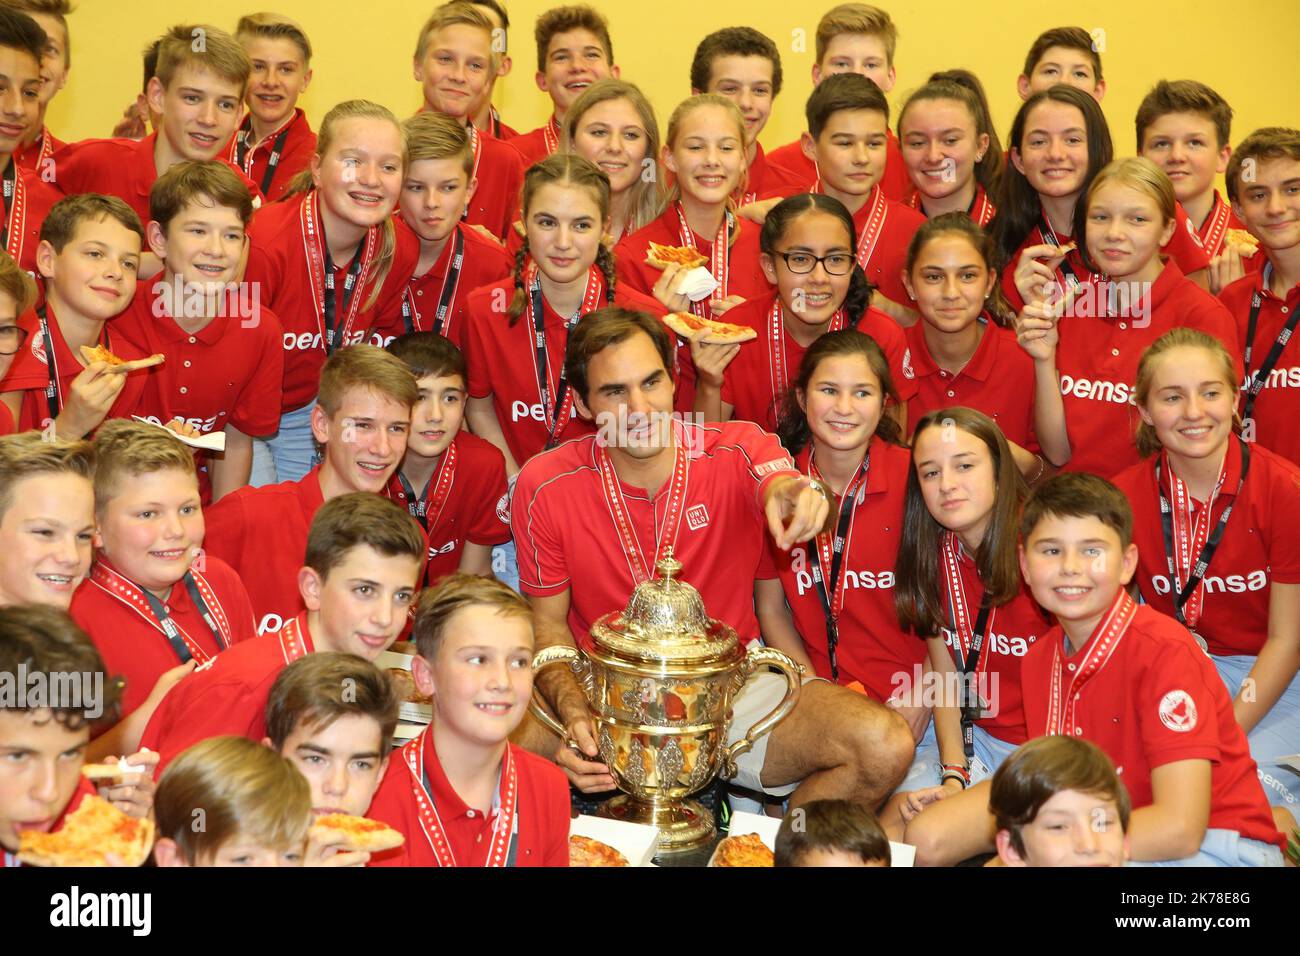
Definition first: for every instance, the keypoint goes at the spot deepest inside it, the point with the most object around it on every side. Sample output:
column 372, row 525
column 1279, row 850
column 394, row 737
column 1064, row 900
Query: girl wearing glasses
column 807, row 247
column 17, row 294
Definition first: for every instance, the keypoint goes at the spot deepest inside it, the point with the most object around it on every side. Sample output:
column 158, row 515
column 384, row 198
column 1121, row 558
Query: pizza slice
column 708, row 331
column 584, row 851
column 746, row 850
column 1245, row 244
column 91, row 832
column 356, row 833
column 98, row 353
column 108, row 771
column 661, row 257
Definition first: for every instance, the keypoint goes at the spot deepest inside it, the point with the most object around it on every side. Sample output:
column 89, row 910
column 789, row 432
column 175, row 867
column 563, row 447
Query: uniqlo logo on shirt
column 697, row 517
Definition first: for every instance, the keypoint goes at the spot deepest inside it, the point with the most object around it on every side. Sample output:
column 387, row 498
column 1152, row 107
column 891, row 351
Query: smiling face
column 54, row 61
column 958, row 482
column 364, row 440
column 434, row 194
column 564, row 226
column 456, row 69
column 481, row 675
column 437, row 416
column 843, row 402
column 203, row 244
column 40, row 767
column 1075, row 566
column 1269, row 204
column 20, row 96
column 630, row 398
column 1125, row 230
column 1186, row 147
column 811, row 298
column 361, row 604
column 279, row 77
column 360, row 174
column 46, row 539
column 850, row 152
column 575, row 59
column 708, row 155
column 950, row 282
column 200, row 111
column 941, row 146
column 152, row 527
column 95, row 273
column 1070, row 829
column 612, row 135
column 1053, row 153
column 343, row 762
column 746, row 81
column 862, row 53
column 1190, row 403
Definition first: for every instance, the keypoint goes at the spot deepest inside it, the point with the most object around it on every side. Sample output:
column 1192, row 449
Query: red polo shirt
column 541, row 811
column 998, row 381
column 484, row 262
column 748, row 384
column 30, row 372
column 500, row 174
column 537, row 144
column 765, row 178
column 262, row 534
column 295, row 156
column 745, row 276
column 1184, row 249
column 1277, row 406
column 497, row 129
column 981, row 210
column 278, row 260
column 45, row 145
column 31, row 203
column 1155, row 700
column 1255, row 551
column 133, row 644
column 1097, row 360
column 228, row 373
column 227, row 695
column 896, row 183
column 564, row 531
column 502, row 362
column 872, row 649
column 118, row 167
column 476, row 507
column 6, row 420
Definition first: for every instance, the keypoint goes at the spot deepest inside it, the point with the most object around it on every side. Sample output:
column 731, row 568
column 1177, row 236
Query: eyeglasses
column 802, row 263
column 12, row 338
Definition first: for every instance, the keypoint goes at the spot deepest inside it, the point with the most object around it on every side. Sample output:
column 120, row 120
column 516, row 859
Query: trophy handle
column 793, row 673
column 555, row 654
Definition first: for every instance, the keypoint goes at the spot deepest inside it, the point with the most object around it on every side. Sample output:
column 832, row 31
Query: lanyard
column 971, row 707
column 1255, row 380
column 617, row 508
column 476, row 146
column 411, row 315
column 52, row 399
column 10, row 185
column 172, row 629
column 556, row 416
column 505, row 833
column 777, row 370
column 426, row 504
column 719, row 255
column 551, row 134
column 1063, row 700
column 349, row 289
column 245, row 151
column 1049, row 236
column 1202, row 562
column 833, row 557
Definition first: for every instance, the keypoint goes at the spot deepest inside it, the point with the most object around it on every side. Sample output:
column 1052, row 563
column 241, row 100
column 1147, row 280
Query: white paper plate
column 213, row 441
column 636, row 841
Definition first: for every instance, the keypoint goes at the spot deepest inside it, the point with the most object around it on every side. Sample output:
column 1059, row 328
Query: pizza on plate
column 708, row 331
column 584, row 851
column 661, row 257
column 746, row 850
column 356, row 833
column 96, row 828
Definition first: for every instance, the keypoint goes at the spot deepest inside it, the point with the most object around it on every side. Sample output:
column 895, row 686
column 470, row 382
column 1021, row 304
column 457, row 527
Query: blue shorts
column 288, row 454
column 505, row 564
column 1276, row 735
column 1225, row 848
column 927, row 766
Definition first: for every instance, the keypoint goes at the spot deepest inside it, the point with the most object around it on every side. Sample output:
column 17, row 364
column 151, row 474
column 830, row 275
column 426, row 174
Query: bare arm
column 476, row 559
column 1037, row 333
column 899, row 313
column 1174, row 824
column 777, row 624
column 1275, row 667
column 231, row 471
column 483, row 422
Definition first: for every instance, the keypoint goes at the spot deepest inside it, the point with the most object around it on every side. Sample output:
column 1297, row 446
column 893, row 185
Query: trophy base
column 683, row 824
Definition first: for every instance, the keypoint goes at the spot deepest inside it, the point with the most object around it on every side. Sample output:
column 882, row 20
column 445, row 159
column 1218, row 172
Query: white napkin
column 214, row 441
column 697, row 284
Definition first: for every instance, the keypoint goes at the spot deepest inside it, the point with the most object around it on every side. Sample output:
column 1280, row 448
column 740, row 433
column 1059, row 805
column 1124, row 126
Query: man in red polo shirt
column 361, row 421
column 593, row 517
column 453, row 63
column 574, row 50
column 853, row 38
column 224, row 358
column 461, row 792
column 358, row 583
column 197, row 96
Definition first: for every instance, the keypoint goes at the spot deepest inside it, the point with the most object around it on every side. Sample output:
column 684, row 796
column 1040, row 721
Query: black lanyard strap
column 245, row 143
column 349, row 289
column 172, row 629
column 970, row 707
column 1255, row 382
column 826, row 591
column 417, row 505
column 1202, row 563
column 449, row 285
column 539, row 354
column 10, row 185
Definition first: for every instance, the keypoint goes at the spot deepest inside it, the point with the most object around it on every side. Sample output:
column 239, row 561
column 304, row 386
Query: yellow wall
column 1243, row 48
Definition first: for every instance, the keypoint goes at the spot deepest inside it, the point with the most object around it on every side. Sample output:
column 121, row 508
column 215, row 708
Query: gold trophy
column 660, row 680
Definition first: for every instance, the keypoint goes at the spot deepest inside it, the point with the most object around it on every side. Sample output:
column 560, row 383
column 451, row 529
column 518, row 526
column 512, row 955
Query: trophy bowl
column 660, row 679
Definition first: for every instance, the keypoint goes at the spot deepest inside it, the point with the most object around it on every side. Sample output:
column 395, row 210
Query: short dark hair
column 456, row 592
column 842, row 91
column 1185, row 96
column 733, row 41
column 428, row 353
column 68, row 213
column 357, row 518
column 18, row 31
column 564, row 19
column 45, row 640
column 612, row 325
column 1078, row 495
column 831, row 825
column 1270, row 142
column 320, row 688
column 1042, row 768
column 1072, row 38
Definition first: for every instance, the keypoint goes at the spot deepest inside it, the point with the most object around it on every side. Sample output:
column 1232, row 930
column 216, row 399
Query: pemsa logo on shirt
column 1280, row 378
column 271, row 622
column 202, row 424
column 861, row 580
column 447, row 548
column 1120, row 393
column 522, row 410
column 310, row 341
column 997, row 643
column 1231, row 583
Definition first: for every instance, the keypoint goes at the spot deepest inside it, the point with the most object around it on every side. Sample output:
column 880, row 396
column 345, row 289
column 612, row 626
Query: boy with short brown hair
column 831, row 833
column 1066, row 55
column 56, row 59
